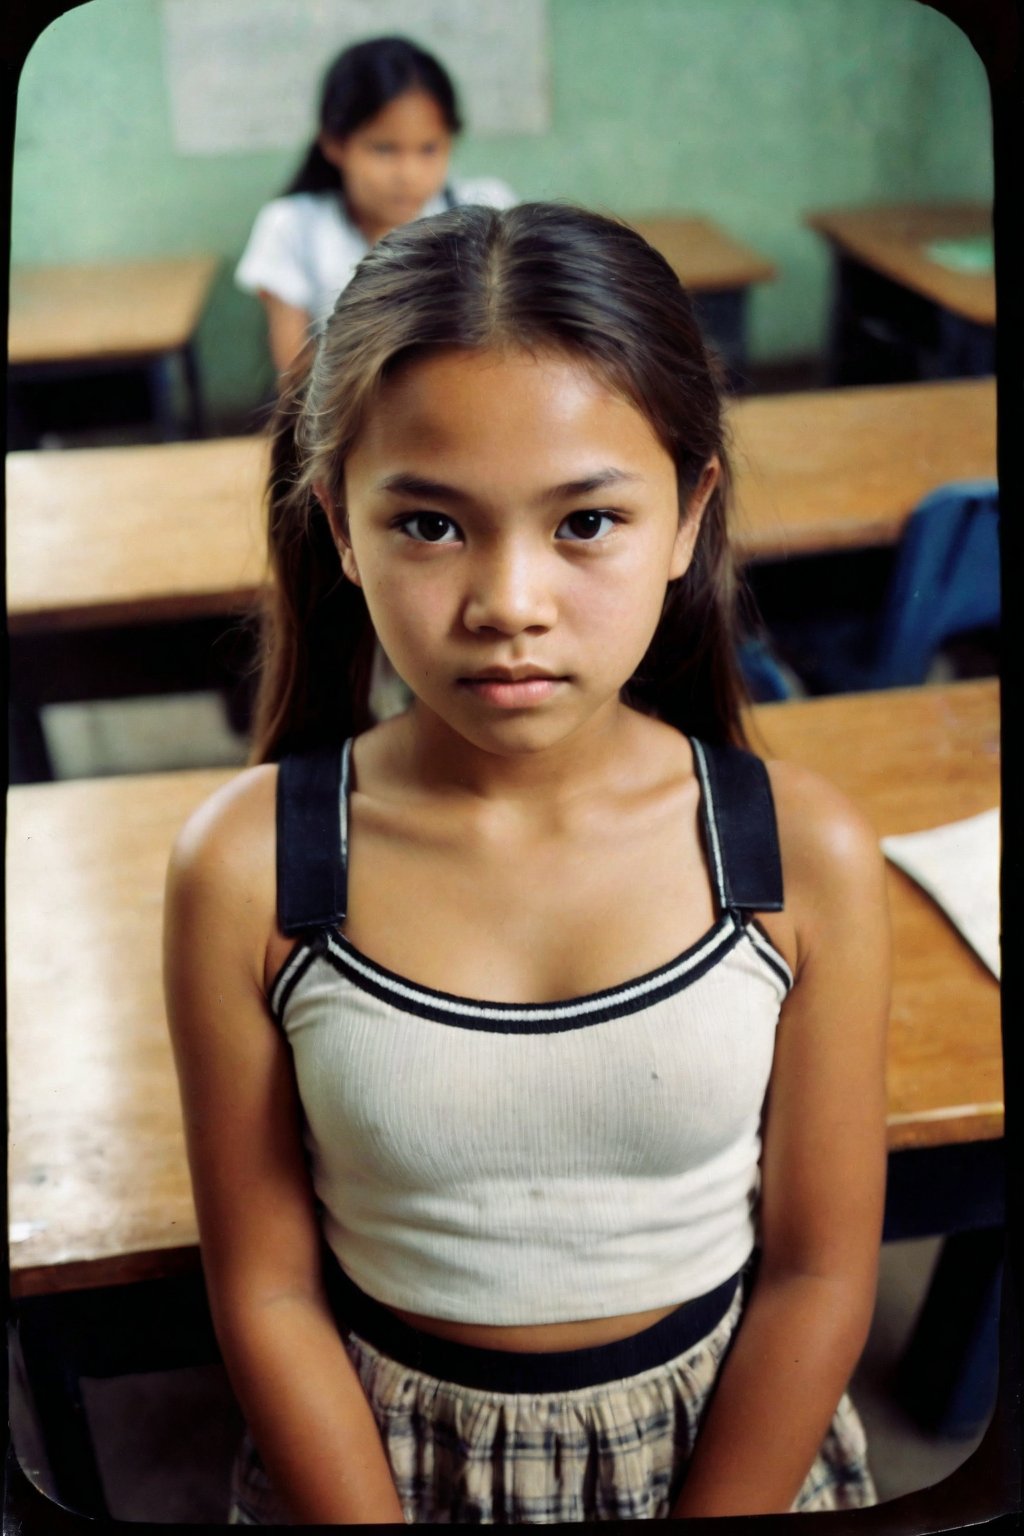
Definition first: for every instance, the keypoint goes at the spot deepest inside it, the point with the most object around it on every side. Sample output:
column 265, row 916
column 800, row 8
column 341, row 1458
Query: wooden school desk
column 134, row 535
column 109, row 551
column 718, row 271
column 68, row 320
column 104, row 536
column 102, row 1222
column 101, row 541
column 894, row 304
column 843, row 469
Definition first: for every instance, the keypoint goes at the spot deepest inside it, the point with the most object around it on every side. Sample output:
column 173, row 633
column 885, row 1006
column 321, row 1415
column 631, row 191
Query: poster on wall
column 242, row 75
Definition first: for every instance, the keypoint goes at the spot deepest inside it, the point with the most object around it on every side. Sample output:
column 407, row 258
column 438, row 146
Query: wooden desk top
column 704, row 257
column 99, row 1190
column 912, row 759
column 122, row 535
column 174, row 530
column 106, row 309
column 844, row 468
column 892, row 240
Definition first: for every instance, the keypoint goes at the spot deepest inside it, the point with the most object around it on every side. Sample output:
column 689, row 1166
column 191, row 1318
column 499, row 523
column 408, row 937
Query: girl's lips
column 511, row 693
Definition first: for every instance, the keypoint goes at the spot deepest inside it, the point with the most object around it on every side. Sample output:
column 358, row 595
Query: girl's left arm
column 823, row 1168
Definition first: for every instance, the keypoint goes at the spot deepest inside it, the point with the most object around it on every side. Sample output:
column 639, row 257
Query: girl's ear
column 338, row 532
column 689, row 523
column 332, row 149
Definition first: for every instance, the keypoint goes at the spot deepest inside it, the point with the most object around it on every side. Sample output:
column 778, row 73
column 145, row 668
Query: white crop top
column 525, row 1163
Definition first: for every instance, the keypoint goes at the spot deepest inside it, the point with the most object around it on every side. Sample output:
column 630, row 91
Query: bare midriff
column 538, row 1338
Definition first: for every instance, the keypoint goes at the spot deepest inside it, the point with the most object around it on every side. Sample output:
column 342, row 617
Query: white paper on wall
column 245, row 74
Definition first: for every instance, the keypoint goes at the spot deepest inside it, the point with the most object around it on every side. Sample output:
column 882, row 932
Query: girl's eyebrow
column 406, row 484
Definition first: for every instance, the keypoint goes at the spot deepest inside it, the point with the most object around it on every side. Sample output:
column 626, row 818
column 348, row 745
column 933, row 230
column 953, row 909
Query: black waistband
column 503, row 1370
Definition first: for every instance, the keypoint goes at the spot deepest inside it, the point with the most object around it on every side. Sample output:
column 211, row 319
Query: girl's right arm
column 258, row 1229
column 288, row 329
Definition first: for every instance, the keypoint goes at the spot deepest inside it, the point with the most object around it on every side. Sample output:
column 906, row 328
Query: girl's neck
column 371, row 230
column 437, row 758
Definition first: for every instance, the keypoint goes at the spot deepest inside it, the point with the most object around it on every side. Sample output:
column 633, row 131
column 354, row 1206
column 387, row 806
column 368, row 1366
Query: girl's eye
column 586, row 526
column 430, row 528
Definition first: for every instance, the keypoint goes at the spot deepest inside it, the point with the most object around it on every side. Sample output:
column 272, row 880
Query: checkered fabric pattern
column 616, row 1451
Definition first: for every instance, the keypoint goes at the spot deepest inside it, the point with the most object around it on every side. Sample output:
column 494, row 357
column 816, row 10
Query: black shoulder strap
column 739, row 828
column 312, row 838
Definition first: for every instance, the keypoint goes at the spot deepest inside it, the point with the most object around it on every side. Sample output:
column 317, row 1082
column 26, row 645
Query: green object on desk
column 976, row 253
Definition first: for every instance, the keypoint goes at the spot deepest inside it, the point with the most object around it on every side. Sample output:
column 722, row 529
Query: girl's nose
column 509, row 594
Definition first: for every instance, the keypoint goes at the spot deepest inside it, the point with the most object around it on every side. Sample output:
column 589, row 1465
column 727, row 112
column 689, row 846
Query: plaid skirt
column 616, row 1449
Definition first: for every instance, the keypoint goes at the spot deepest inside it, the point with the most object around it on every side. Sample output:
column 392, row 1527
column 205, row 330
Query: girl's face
column 394, row 164
column 513, row 524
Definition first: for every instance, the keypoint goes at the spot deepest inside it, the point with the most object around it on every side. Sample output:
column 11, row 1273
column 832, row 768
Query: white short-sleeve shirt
column 304, row 249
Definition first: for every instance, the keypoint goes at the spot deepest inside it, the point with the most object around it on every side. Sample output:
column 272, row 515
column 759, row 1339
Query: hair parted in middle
column 544, row 277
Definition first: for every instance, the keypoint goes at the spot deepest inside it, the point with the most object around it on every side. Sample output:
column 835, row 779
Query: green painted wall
column 749, row 111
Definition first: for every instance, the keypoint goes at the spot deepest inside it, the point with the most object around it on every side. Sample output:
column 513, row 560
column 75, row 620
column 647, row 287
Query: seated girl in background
column 388, row 115
column 537, row 1140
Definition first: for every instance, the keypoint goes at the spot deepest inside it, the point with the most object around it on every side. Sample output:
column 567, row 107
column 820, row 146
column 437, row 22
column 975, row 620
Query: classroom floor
column 165, row 1441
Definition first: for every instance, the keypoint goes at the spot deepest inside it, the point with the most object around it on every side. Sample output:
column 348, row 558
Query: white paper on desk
column 958, row 865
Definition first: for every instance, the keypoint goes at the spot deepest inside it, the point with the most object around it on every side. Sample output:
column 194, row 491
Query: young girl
column 531, row 1040
column 388, row 115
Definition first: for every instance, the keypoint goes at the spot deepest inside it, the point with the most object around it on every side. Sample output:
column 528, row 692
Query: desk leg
column 947, row 1377
column 723, row 320
column 965, row 350
column 28, row 756
column 26, row 1508
column 147, row 1325
column 193, row 389
column 161, row 376
column 163, row 373
column 57, row 1391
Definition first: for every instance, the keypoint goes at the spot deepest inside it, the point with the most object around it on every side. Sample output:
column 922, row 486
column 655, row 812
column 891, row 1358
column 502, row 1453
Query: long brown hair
column 542, row 276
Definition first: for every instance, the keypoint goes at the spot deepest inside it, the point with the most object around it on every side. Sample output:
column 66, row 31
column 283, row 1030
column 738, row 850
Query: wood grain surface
column 106, row 309
column 126, row 535
column 704, row 257
column 913, row 759
column 174, row 530
column 844, row 468
column 892, row 239
column 99, row 1189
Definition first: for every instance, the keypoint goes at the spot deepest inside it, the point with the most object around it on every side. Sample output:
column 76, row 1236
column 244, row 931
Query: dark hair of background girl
column 541, row 276
column 361, row 82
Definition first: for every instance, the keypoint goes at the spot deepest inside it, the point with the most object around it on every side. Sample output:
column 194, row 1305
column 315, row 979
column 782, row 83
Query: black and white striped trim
column 511, row 1018
column 769, row 954
column 714, row 839
column 292, row 972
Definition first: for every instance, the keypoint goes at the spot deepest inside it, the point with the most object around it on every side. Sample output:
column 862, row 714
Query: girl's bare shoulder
column 830, row 849
column 225, row 852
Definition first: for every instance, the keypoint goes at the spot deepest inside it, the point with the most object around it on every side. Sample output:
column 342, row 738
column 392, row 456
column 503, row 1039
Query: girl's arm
column 294, row 1381
column 823, row 1170
column 288, row 331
